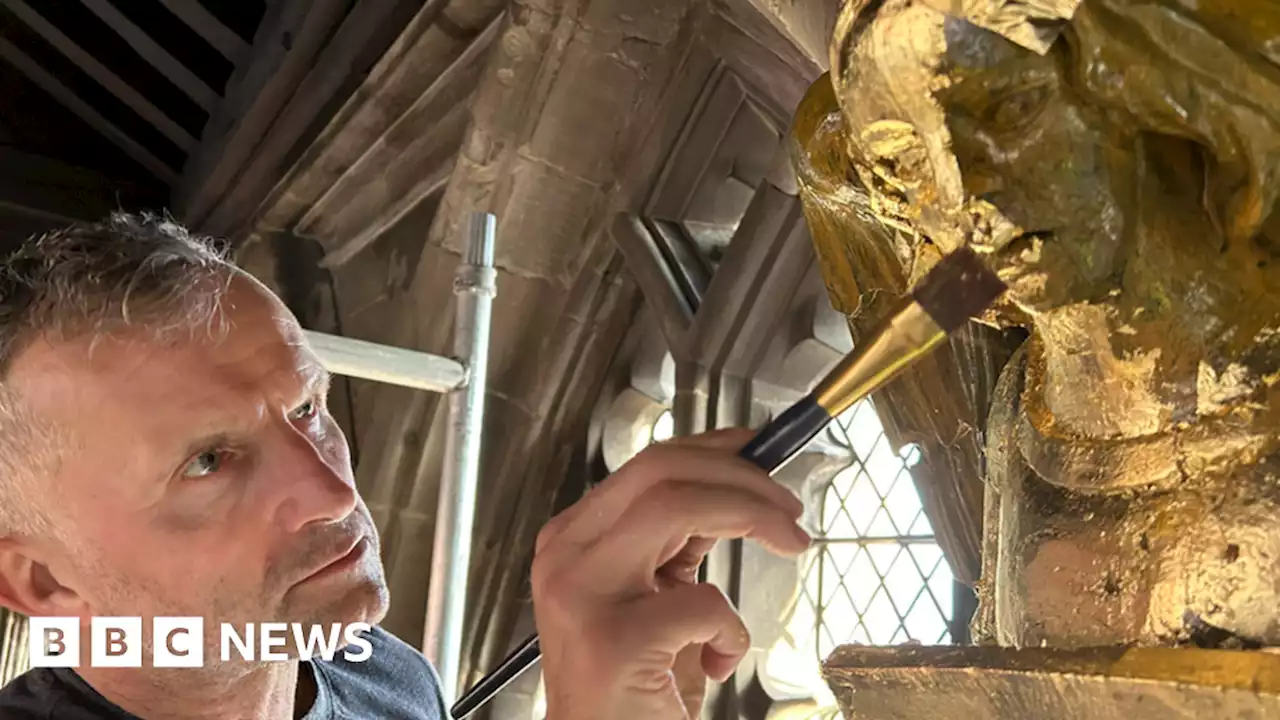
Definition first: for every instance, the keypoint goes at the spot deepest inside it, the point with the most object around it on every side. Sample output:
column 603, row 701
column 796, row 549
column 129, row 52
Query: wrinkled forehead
column 132, row 387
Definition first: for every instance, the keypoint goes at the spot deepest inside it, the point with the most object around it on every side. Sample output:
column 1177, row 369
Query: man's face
column 205, row 478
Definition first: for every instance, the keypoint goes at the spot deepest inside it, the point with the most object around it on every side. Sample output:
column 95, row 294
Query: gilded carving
column 1118, row 162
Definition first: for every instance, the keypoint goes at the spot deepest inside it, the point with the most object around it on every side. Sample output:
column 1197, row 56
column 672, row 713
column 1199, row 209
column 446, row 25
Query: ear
column 28, row 585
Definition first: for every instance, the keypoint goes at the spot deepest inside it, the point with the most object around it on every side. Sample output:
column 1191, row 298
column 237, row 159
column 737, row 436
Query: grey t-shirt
column 394, row 683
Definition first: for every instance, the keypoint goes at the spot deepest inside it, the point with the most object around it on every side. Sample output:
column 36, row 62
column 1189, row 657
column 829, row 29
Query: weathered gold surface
column 1034, row 25
column 942, row 403
column 1124, row 184
column 1017, row 684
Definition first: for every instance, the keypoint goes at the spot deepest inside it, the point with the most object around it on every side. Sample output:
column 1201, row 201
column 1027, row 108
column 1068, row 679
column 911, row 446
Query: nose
column 311, row 485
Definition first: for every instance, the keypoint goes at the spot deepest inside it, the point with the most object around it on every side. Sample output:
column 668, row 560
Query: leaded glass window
column 877, row 575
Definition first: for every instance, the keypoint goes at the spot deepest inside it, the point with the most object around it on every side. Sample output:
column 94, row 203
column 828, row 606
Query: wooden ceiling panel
column 135, row 73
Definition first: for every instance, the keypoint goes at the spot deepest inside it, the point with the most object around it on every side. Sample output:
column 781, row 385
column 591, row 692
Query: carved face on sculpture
column 1124, row 181
column 1145, row 143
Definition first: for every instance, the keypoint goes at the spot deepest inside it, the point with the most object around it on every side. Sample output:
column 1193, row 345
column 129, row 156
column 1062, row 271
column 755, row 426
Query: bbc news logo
column 179, row 642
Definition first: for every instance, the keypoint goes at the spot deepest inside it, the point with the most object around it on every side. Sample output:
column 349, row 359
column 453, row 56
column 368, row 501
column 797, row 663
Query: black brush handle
column 786, row 435
column 777, row 443
column 521, row 659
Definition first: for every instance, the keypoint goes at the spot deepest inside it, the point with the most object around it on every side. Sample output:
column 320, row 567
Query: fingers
column 669, row 621
column 688, row 669
column 659, row 524
column 718, row 666
column 617, row 610
column 706, row 459
column 684, row 566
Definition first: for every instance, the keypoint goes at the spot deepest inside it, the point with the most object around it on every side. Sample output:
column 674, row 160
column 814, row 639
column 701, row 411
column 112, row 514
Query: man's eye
column 204, row 464
column 307, row 410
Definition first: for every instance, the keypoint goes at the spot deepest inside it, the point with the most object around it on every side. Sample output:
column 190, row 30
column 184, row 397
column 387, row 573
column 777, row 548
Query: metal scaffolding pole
column 475, row 286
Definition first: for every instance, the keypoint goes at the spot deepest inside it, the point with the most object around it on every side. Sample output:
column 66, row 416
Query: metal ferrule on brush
column 959, row 287
column 908, row 334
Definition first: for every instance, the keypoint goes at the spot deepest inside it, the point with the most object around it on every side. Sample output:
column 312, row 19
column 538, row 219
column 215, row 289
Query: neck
column 271, row 691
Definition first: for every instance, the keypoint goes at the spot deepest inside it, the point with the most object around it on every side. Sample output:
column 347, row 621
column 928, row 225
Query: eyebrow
column 317, row 382
column 319, row 379
column 205, row 443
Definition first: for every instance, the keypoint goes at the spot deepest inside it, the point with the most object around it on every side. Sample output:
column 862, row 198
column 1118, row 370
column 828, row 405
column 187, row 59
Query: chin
column 366, row 603
column 364, row 600
column 362, row 597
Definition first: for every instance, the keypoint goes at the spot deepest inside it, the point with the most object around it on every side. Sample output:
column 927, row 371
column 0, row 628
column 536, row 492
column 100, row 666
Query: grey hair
column 87, row 280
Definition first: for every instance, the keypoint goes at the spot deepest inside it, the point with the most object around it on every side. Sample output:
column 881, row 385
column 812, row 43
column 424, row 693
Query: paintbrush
column 957, row 289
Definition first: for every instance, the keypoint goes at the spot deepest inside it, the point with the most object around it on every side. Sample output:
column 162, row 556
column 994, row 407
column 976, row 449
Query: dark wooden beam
column 434, row 54
column 85, row 112
column 290, row 35
column 104, row 77
column 42, row 187
column 353, row 49
column 411, row 160
column 177, row 73
column 391, row 214
column 8, row 207
column 203, row 22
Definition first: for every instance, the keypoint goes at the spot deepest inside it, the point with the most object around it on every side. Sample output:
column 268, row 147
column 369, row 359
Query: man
column 165, row 450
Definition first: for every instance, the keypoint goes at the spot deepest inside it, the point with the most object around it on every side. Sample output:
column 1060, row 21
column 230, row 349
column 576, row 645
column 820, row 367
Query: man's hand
column 613, row 578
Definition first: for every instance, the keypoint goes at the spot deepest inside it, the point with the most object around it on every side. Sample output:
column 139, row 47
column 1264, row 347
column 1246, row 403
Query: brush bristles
column 959, row 288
